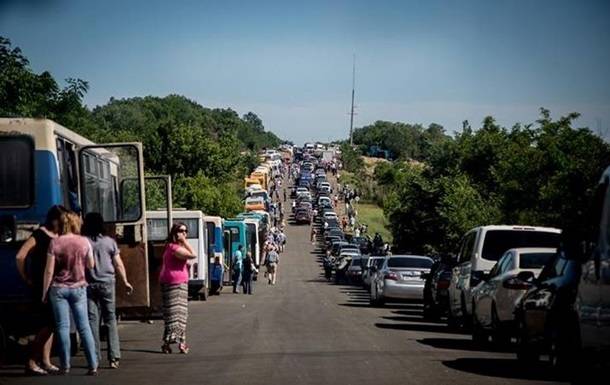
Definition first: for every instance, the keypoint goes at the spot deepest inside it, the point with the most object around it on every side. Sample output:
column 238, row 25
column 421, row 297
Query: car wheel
column 498, row 335
column 479, row 336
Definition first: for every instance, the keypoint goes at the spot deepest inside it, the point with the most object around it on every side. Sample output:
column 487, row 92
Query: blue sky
column 290, row 62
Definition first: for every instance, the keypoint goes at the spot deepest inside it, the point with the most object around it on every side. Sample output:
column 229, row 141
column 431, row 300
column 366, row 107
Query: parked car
column 367, row 272
column 480, row 249
column 545, row 317
column 495, row 299
column 354, row 271
column 362, row 242
column 342, row 264
column 302, row 215
column 436, row 294
column 400, row 278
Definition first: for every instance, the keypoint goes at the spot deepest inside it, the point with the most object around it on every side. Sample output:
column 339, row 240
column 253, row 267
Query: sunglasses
column 183, row 231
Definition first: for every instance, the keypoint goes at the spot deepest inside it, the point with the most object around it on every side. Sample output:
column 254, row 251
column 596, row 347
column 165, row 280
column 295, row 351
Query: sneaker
column 114, row 364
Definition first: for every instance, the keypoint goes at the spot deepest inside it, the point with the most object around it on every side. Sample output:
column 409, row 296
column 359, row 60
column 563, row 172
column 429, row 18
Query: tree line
column 440, row 186
column 206, row 151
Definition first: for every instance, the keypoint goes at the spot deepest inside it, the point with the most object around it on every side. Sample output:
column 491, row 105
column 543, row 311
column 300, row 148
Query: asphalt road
column 301, row 331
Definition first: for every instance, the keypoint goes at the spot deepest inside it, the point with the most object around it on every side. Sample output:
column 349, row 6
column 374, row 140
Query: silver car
column 400, row 278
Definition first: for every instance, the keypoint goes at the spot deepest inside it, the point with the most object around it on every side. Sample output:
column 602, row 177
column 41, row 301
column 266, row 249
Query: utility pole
column 351, row 114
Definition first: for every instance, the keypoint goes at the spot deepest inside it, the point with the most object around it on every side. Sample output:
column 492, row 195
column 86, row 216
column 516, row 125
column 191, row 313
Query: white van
column 480, row 249
column 156, row 222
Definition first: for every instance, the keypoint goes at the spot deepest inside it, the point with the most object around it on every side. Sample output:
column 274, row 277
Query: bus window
column 16, row 171
column 111, row 182
column 192, row 224
column 157, row 229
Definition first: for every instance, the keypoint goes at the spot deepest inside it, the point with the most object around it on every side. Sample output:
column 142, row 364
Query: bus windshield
column 16, row 171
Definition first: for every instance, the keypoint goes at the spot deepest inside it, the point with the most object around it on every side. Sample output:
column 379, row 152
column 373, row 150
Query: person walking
column 284, row 195
column 248, row 275
column 65, row 286
column 101, row 296
column 33, row 253
column 216, row 277
column 238, row 264
column 312, row 234
column 272, row 260
column 174, row 279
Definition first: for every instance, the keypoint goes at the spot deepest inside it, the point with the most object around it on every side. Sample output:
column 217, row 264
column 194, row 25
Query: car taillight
column 442, row 284
column 391, row 276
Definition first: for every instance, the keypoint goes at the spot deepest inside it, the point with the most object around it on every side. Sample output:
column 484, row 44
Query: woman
column 65, row 286
column 101, row 296
column 34, row 252
column 174, row 288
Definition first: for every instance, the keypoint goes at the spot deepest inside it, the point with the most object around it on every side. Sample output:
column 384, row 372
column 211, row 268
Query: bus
column 43, row 164
column 235, row 235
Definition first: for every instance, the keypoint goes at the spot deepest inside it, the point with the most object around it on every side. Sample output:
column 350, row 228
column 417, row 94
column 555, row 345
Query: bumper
column 394, row 290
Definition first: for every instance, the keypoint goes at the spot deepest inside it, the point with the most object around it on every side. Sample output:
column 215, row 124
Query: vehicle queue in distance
column 541, row 291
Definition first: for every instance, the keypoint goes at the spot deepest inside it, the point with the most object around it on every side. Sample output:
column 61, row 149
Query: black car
column 436, row 288
column 546, row 320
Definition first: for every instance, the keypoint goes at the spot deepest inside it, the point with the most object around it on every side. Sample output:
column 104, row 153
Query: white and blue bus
column 44, row 164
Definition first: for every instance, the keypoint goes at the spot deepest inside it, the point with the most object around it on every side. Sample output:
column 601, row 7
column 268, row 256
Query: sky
column 290, row 62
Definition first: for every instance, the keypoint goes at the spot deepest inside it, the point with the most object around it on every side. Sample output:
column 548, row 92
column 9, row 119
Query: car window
column 496, row 242
column 468, row 247
column 410, row 262
column 554, row 268
column 534, row 260
column 497, row 269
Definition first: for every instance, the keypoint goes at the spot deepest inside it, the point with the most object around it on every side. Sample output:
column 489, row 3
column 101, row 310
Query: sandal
column 184, row 349
column 35, row 371
column 165, row 348
column 51, row 369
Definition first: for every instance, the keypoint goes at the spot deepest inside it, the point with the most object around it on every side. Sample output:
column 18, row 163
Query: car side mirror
column 526, row 276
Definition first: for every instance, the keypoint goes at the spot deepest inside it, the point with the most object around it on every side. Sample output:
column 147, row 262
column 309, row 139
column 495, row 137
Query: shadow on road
column 416, row 327
column 462, row 344
column 500, row 367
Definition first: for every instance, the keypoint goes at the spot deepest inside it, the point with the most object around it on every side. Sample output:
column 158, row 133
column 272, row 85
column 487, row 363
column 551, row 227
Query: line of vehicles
column 44, row 164
column 545, row 291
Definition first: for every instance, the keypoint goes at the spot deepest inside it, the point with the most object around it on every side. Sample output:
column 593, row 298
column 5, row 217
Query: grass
column 372, row 215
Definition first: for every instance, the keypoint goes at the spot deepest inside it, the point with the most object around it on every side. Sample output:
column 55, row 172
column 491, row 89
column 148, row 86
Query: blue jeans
column 63, row 300
column 101, row 302
column 236, row 279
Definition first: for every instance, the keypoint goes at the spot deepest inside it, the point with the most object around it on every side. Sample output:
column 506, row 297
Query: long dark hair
column 93, row 225
column 173, row 233
column 53, row 220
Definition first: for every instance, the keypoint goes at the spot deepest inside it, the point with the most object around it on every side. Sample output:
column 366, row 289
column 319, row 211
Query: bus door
column 228, row 243
column 159, row 198
column 112, row 184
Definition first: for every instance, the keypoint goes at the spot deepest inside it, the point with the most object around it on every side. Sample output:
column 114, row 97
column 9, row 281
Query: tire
column 479, row 336
column 526, row 352
column 498, row 335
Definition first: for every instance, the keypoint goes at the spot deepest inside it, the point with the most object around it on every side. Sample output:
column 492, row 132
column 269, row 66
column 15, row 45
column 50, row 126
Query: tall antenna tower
column 351, row 114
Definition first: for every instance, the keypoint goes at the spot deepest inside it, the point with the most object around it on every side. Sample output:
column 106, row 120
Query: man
column 238, row 263
column 271, row 261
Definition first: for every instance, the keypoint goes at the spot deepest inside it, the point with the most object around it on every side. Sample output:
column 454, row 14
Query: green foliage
column 351, row 159
column 543, row 175
column 404, row 141
column 206, row 151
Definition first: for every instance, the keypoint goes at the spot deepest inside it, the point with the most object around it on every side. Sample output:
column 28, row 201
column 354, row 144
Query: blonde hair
column 70, row 223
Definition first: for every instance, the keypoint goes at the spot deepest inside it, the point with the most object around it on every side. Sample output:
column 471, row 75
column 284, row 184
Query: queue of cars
column 544, row 290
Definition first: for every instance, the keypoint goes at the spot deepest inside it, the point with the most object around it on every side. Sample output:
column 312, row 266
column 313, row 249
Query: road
column 301, row 331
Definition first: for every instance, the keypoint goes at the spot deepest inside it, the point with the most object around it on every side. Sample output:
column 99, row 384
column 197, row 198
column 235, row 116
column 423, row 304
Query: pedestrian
column 238, row 264
column 271, row 261
column 33, row 254
column 281, row 241
column 249, row 271
column 352, row 221
column 174, row 280
column 357, row 232
column 216, row 277
column 65, row 286
column 101, row 296
column 312, row 235
column 344, row 223
column 284, row 195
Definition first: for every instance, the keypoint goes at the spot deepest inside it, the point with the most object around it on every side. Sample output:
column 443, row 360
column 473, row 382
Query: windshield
column 534, row 260
column 498, row 241
column 421, row 263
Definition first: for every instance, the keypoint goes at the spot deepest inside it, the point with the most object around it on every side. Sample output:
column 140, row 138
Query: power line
column 351, row 114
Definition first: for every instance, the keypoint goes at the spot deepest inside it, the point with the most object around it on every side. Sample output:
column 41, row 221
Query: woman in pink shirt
column 66, row 287
column 174, row 280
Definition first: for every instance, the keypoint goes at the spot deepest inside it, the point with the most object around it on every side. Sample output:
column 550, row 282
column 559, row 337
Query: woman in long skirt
column 174, row 288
